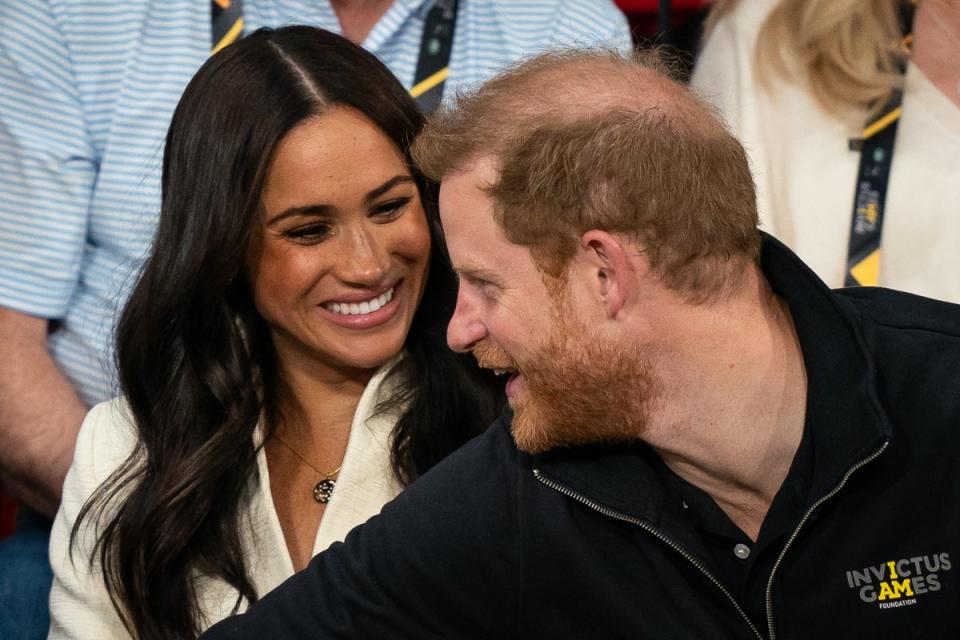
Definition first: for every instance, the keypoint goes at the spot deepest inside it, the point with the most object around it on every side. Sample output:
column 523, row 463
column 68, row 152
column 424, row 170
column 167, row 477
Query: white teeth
column 501, row 372
column 360, row 308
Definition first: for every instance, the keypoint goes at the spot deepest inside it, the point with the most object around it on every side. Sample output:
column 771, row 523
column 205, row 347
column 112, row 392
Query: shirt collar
column 843, row 408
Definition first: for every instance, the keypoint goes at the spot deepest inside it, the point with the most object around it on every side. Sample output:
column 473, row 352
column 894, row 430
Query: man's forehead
column 465, row 206
column 471, row 181
column 477, row 245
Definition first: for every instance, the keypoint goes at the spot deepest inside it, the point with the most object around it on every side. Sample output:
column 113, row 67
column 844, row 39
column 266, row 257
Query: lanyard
column 435, row 47
column 876, row 145
column 226, row 23
column 436, row 44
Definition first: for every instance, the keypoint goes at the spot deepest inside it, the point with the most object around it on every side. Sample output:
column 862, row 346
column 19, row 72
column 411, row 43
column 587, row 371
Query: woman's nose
column 365, row 261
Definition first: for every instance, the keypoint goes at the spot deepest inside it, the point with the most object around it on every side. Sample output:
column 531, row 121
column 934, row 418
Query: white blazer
column 79, row 604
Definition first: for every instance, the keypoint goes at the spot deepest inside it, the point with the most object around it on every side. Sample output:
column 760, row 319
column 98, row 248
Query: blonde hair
column 848, row 51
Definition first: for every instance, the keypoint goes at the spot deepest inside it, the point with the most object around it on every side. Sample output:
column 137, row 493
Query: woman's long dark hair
column 195, row 360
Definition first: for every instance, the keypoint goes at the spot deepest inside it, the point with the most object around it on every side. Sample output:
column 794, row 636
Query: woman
column 799, row 81
column 282, row 355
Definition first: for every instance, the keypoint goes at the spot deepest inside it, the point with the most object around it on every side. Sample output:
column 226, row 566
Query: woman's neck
column 317, row 404
column 316, row 411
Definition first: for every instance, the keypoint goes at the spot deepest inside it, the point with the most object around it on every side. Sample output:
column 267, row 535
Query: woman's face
column 339, row 259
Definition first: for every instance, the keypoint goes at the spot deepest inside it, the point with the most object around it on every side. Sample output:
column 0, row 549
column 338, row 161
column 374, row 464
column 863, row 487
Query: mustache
column 491, row 357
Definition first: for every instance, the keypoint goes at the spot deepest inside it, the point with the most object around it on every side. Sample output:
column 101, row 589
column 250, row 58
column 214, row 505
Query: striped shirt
column 87, row 89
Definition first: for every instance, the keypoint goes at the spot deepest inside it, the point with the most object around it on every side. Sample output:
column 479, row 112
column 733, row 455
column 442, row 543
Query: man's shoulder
column 914, row 344
column 490, row 458
column 887, row 309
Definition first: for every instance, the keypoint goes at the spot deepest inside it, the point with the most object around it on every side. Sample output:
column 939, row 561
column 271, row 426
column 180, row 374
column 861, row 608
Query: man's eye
column 309, row 233
column 388, row 211
column 486, row 288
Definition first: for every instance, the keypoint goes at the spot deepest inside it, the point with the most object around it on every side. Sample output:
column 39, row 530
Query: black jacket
column 585, row 542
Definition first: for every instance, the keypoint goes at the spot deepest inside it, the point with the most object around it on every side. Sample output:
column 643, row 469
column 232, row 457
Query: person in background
column 705, row 440
column 87, row 88
column 282, row 354
column 810, row 87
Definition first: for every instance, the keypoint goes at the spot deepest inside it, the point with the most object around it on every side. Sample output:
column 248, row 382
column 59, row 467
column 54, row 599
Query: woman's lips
column 342, row 313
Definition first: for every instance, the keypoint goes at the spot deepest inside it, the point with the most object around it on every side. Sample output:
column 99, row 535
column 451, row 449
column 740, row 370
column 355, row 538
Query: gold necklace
column 323, row 490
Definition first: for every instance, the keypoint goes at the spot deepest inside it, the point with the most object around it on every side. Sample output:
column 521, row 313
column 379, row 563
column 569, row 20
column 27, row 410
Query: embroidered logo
column 898, row 583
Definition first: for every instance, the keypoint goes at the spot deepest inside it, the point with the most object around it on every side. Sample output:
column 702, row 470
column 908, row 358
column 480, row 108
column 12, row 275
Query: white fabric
column 79, row 604
column 805, row 173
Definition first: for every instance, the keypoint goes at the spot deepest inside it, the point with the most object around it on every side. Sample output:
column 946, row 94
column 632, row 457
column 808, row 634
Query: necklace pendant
column 323, row 490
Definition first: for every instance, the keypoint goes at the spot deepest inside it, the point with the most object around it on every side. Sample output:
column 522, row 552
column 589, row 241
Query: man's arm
column 40, row 414
column 440, row 561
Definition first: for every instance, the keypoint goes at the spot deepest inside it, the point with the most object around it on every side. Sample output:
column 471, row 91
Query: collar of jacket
column 844, row 415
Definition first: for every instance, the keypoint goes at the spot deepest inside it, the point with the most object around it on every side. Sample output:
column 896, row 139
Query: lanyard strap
column 876, row 145
column 226, row 23
column 436, row 44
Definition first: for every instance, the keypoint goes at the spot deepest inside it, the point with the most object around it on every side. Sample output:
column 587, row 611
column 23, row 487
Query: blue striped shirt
column 87, row 89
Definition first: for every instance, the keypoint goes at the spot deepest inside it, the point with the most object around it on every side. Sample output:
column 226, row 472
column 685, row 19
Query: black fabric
column 588, row 542
column 745, row 578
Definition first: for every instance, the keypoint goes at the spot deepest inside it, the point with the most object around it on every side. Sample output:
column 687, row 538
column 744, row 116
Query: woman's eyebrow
column 386, row 186
column 324, row 209
column 306, row 210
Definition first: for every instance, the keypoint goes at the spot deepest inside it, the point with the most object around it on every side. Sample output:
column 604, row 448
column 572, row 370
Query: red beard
column 579, row 388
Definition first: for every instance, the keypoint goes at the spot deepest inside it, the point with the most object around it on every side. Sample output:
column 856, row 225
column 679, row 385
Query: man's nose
column 465, row 329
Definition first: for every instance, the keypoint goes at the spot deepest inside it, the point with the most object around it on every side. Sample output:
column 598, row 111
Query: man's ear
column 612, row 275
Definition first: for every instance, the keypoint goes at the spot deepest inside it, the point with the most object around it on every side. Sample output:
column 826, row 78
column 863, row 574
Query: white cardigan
column 79, row 604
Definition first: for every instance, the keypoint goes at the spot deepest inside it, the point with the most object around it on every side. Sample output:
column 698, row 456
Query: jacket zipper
column 803, row 520
column 610, row 513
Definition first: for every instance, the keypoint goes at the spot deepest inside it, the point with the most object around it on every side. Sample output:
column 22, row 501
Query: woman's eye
column 390, row 210
column 309, row 233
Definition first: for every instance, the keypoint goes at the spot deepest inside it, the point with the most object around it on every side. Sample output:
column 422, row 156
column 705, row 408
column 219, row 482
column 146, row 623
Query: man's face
column 567, row 384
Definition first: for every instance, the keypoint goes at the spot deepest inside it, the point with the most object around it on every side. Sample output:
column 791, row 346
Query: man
column 706, row 442
column 88, row 88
